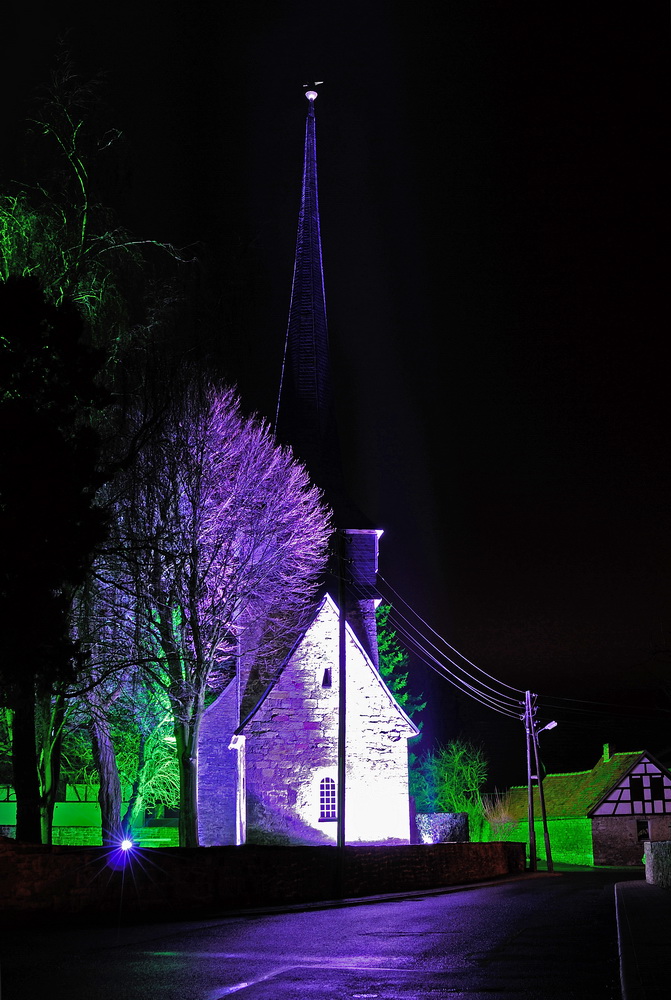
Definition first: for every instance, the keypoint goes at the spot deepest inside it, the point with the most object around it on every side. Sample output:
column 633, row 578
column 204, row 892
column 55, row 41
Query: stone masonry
column 290, row 746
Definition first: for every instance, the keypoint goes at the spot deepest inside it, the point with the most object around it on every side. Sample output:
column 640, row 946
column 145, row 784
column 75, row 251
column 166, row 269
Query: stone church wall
column 217, row 772
column 292, row 745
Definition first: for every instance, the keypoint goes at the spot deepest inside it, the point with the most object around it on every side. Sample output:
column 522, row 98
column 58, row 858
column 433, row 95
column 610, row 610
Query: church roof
column 328, row 604
column 575, row 793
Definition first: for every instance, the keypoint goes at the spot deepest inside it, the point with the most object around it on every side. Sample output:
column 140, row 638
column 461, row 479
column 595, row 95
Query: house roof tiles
column 575, row 793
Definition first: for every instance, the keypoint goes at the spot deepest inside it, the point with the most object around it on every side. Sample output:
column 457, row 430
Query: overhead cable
column 466, row 660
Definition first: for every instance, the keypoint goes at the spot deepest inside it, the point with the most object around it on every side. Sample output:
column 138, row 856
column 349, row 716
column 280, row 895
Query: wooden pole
column 533, row 862
column 541, row 796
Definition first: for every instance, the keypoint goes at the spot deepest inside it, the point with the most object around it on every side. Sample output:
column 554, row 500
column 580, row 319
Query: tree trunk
column 51, row 716
column 135, row 801
column 24, row 763
column 109, row 795
column 186, row 737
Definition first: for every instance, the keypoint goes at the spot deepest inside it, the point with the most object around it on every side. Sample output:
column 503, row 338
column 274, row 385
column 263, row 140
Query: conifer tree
column 394, row 665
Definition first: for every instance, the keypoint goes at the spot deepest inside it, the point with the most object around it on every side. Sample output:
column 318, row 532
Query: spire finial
column 310, row 92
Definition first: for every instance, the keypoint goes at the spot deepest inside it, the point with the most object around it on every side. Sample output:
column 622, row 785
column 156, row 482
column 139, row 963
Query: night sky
column 494, row 205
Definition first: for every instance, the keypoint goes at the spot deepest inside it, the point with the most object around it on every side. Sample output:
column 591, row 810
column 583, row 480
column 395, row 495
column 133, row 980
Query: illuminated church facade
column 268, row 769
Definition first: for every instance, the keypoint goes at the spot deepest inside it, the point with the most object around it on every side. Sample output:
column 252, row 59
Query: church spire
column 305, row 416
column 305, row 410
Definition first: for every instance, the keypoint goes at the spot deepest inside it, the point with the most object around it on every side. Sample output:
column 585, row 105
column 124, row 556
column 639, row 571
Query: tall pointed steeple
column 305, row 416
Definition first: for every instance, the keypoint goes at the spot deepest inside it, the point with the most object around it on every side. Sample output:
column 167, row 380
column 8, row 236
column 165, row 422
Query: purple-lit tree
column 222, row 541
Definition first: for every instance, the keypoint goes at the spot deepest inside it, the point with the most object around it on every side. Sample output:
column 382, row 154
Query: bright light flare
column 123, row 853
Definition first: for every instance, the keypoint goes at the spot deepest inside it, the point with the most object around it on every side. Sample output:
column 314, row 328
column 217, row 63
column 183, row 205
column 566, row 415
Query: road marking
column 253, row 982
column 237, row 987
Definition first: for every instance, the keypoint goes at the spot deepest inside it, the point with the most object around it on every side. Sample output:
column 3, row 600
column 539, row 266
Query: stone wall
column 218, row 771
column 44, row 883
column 570, row 838
column 616, row 840
column 658, row 863
column 442, row 828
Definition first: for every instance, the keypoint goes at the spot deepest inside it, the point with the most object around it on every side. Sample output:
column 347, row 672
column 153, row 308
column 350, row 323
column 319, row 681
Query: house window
column 636, row 786
column 327, row 800
column 657, row 787
column 326, row 679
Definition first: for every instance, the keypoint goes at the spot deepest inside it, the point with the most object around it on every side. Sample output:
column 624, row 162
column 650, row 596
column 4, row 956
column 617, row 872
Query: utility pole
column 532, row 750
column 541, row 797
column 342, row 708
column 528, row 723
column 541, row 793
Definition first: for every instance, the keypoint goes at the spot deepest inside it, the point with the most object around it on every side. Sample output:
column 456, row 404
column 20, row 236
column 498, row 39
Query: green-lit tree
column 59, row 228
column 395, row 669
column 449, row 779
column 395, row 665
column 59, row 232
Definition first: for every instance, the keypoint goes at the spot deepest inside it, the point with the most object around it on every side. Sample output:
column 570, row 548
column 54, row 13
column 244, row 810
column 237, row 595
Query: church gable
column 292, row 745
column 304, row 697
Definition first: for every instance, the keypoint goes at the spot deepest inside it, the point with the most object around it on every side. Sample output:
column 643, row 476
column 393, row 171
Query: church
column 320, row 756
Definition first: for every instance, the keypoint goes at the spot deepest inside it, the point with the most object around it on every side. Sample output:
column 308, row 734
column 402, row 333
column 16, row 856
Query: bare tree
column 222, row 536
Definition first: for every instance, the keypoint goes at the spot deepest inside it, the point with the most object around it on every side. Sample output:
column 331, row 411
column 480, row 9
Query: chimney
column 360, row 573
column 606, row 752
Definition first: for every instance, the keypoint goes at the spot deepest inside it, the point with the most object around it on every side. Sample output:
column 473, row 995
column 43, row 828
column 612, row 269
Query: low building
column 601, row 816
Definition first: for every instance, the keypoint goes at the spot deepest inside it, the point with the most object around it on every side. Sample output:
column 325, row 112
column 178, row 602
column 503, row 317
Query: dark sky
column 494, row 200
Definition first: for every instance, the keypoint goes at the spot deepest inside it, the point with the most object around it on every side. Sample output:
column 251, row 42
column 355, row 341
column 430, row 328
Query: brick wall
column 44, row 883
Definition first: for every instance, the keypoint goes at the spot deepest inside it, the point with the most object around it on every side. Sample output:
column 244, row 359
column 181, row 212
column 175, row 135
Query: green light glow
column 570, row 839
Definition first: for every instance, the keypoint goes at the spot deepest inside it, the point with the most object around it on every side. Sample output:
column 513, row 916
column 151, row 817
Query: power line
column 503, row 700
column 471, row 686
column 466, row 660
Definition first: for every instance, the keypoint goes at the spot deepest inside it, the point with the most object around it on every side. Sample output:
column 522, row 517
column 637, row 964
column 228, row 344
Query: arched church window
column 327, row 800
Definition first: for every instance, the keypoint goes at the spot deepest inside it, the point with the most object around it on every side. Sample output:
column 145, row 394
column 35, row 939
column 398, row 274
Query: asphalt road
column 541, row 936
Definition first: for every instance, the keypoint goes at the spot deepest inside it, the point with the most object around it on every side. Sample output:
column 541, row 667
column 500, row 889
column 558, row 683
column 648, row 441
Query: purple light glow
column 121, row 856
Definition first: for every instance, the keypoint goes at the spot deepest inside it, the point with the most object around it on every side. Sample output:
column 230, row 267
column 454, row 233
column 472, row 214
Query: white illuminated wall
column 292, row 744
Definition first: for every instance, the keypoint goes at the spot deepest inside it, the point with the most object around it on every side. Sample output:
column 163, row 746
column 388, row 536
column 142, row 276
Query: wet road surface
column 542, row 936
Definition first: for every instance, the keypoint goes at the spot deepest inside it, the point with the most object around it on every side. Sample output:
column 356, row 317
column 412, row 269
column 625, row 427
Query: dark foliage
column 49, row 472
